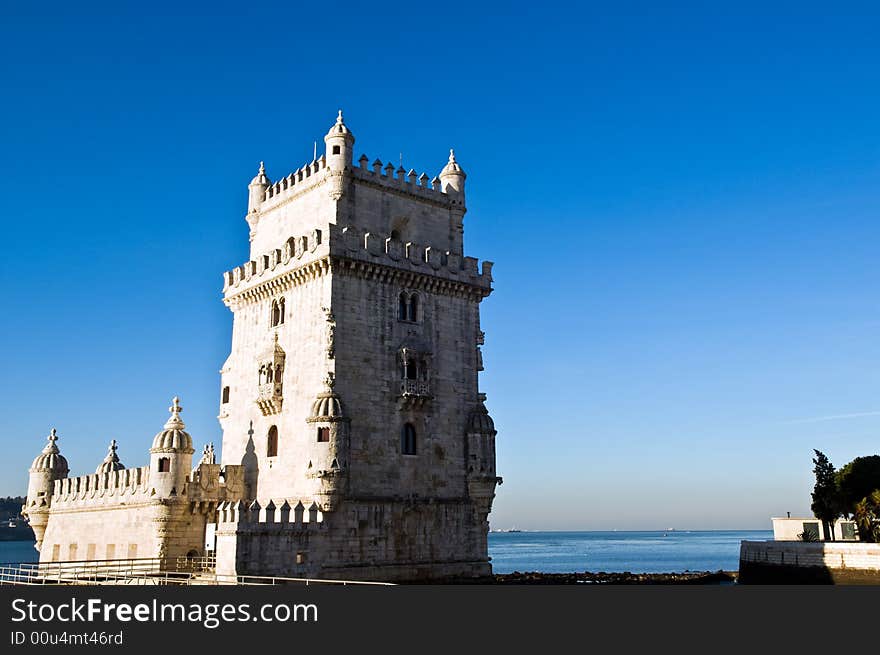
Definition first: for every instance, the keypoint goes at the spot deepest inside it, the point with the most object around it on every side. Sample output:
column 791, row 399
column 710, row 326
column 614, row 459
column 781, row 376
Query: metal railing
column 146, row 571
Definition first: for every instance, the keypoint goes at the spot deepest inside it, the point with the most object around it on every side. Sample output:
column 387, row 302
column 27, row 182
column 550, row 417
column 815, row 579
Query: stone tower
column 49, row 466
column 352, row 383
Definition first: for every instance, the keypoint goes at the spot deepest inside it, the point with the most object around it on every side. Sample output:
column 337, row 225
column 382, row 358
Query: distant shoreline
column 625, row 578
column 671, row 530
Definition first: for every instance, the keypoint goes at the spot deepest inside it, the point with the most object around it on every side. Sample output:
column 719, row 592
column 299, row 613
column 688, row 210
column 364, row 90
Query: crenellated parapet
column 96, row 489
column 299, row 181
column 395, row 180
column 279, row 267
column 302, row 257
column 256, row 517
column 415, row 259
column 407, row 182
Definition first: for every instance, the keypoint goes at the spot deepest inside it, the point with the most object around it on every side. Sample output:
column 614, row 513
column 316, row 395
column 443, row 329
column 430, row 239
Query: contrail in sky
column 833, row 417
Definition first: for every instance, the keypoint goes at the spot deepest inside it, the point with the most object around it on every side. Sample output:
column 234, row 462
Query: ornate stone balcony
column 269, row 398
column 415, row 389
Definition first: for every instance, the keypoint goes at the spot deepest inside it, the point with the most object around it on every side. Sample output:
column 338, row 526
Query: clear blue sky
column 682, row 204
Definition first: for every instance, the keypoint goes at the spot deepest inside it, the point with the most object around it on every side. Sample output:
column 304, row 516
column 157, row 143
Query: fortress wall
column 99, row 490
column 378, row 203
column 280, row 216
column 118, row 532
column 383, row 541
column 370, row 383
column 790, row 562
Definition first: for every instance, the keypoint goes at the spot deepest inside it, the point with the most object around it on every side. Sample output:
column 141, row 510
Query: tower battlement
column 281, row 515
column 276, row 269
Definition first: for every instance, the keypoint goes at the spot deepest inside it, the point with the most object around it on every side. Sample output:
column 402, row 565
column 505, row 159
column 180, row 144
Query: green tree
column 857, row 482
column 867, row 517
column 826, row 496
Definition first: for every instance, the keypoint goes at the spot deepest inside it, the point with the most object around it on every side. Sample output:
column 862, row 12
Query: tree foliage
column 859, row 486
column 867, row 517
column 858, row 480
column 826, row 504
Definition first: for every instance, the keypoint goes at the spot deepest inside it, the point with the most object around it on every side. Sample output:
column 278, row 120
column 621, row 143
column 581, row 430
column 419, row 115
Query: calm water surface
column 636, row 552
column 567, row 552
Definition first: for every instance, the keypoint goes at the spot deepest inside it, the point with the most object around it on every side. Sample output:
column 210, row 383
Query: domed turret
column 480, row 421
column 481, row 450
column 326, row 408
column 257, row 189
column 49, row 465
column 339, row 142
column 330, row 448
column 111, row 461
column 171, row 455
column 50, row 460
column 452, row 177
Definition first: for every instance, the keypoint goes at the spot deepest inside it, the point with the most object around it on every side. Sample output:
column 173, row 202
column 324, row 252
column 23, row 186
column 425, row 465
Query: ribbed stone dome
column 174, row 436
column 111, row 461
column 452, row 167
column 481, row 422
column 339, row 128
column 51, row 458
column 261, row 178
column 327, row 407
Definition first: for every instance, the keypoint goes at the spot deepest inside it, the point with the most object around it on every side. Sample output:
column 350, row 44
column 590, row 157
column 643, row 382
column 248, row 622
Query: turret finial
column 451, row 156
column 175, row 422
column 51, row 447
column 339, row 117
column 112, row 447
column 262, row 169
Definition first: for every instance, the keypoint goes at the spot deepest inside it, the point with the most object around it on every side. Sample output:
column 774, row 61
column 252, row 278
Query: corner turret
column 452, row 177
column 171, row 455
column 257, row 189
column 339, row 141
column 49, row 465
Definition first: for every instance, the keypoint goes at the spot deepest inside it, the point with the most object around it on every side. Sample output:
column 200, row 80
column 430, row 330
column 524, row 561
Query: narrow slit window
column 408, row 439
column 401, row 307
column 272, row 442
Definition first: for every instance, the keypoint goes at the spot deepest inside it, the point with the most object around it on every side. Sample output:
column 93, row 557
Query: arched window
column 281, row 311
column 323, row 435
column 401, row 307
column 164, row 464
column 275, row 316
column 413, row 307
column 408, row 439
column 410, row 369
column 272, row 442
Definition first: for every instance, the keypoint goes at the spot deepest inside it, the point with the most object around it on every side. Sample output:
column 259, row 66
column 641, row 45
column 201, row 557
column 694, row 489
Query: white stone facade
column 356, row 443
column 358, row 292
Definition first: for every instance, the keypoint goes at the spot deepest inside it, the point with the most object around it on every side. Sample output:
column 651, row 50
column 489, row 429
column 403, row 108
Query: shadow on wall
column 791, row 562
column 251, row 466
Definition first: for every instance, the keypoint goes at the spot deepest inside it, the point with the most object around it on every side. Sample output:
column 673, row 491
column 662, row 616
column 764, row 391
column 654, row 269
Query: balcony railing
column 415, row 389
